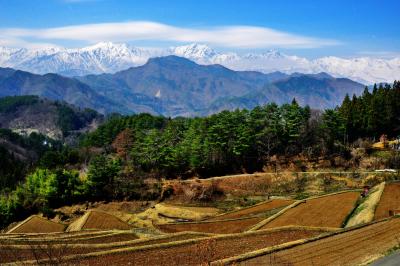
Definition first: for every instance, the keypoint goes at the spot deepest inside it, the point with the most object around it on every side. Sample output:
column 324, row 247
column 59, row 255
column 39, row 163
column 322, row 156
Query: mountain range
column 176, row 86
column 109, row 57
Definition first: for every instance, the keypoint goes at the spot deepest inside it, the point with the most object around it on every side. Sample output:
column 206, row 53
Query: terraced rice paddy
column 200, row 251
column 389, row 202
column 40, row 249
column 354, row 247
column 327, row 211
column 254, row 210
column 217, row 227
column 98, row 220
column 36, row 224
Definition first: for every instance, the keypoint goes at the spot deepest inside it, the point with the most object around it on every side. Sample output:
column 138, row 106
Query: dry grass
column 366, row 210
column 37, row 224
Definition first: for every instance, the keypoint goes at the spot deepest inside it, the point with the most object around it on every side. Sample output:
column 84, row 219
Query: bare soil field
column 106, row 238
column 354, row 247
column 202, row 252
column 390, row 201
column 254, row 210
column 327, row 211
column 217, row 227
column 98, row 220
column 36, row 224
column 41, row 250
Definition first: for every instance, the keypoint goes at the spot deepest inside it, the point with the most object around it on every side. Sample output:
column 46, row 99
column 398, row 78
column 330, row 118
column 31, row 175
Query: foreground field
column 53, row 249
column 389, row 202
column 326, row 211
column 353, row 247
column 201, row 251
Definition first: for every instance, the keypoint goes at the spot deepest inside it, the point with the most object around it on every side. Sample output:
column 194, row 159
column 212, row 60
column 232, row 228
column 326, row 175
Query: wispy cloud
column 222, row 36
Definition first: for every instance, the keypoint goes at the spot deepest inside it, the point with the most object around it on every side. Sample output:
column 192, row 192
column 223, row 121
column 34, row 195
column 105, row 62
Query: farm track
column 326, row 211
column 348, row 248
column 390, row 200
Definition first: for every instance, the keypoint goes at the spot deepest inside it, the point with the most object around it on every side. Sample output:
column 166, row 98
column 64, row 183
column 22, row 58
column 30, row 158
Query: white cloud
column 225, row 36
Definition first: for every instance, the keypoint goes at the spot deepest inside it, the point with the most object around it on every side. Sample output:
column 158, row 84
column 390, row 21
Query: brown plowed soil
column 390, row 201
column 349, row 248
column 255, row 210
column 329, row 211
column 79, row 240
column 39, row 225
column 203, row 252
column 218, row 227
column 105, row 221
column 42, row 250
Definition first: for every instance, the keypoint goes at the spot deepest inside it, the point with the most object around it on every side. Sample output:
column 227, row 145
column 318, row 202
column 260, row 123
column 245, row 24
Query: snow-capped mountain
column 109, row 57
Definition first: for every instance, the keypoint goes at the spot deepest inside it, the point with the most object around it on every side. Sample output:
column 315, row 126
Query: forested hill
column 57, row 120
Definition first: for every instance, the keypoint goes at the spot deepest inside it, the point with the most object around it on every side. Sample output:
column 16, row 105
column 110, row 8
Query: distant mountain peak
column 194, row 51
column 109, row 57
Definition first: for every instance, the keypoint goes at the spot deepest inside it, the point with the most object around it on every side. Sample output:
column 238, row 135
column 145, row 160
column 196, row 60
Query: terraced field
column 36, row 224
column 217, row 227
column 353, row 247
column 105, row 237
column 200, row 251
column 254, row 210
column 41, row 249
column 326, row 211
column 389, row 202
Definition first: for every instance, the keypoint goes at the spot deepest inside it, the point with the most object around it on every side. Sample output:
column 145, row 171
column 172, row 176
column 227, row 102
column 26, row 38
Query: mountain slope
column 57, row 120
column 175, row 86
column 56, row 87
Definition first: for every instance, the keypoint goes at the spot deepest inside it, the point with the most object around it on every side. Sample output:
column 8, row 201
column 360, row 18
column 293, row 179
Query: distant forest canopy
column 125, row 150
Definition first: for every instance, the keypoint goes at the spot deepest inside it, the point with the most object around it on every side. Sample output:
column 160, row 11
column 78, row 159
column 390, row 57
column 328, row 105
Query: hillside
column 55, row 87
column 56, row 120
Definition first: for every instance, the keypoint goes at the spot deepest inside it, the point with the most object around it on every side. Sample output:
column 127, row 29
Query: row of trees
column 227, row 142
column 373, row 113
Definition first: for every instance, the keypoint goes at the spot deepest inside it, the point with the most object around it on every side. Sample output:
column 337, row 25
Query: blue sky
column 306, row 28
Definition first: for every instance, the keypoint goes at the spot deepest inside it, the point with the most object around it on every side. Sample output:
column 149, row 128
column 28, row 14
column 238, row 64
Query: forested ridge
column 115, row 159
